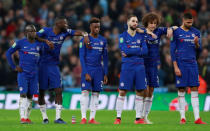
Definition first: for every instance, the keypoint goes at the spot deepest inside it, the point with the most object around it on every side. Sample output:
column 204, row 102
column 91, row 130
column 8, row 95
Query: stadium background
column 15, row 14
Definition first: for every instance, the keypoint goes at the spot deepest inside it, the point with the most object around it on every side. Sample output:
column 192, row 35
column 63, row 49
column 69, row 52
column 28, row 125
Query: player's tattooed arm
column 49, row 43
column 84, row 34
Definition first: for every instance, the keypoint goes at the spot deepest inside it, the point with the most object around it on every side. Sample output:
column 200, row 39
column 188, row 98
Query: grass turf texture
column 163, row 120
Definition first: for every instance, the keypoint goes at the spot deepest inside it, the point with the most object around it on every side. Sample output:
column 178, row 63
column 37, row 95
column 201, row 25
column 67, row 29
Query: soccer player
column 49, row 74
column 151, row 60
column 186, row 42
column 94, row 75
column 133, row 47
column 29, row 54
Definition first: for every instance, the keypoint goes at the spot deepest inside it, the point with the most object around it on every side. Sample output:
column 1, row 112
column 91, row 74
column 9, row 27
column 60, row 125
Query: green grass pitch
column 163, row 120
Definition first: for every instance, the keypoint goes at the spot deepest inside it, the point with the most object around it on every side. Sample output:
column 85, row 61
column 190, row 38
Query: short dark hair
column 27, row 26
column 94, row 20
column 149, row 17
column 187, row 15
column 59, row 18
column 130, row 16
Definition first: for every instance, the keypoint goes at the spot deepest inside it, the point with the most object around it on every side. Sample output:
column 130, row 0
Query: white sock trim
column 119, row 105
column 195, row 104
column 43, row 111
column 93, row 104
column 182, row 103
column 84, row 101
column 139, row 106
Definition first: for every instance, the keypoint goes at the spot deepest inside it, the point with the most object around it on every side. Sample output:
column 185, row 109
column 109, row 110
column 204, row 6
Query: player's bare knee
column 194, row 88
column 151, row 90
column 122, row 92
column 181, row 89
column 140, row 92
column 23, row 95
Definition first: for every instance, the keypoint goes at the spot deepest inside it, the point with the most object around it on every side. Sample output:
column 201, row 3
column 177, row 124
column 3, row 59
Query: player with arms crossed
column 49, row 74
column 186, row 41
column 94, row 75
column 151, row 60
column 29, row 54
column 133, row 47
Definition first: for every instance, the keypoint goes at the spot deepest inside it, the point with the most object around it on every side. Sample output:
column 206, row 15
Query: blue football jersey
column 153, row 46
column 183, row 45
column 29, row 54
column 52, row 56
column 133, row 46
column 93, row 55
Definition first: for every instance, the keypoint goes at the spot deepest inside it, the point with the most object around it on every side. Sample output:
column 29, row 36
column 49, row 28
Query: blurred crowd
column 15, row 14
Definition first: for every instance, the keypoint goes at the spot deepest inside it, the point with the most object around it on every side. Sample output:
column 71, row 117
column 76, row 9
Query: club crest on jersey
column 37, row 48
column 193, row 35
column 101, row 43
column 138, row 41
column 41, row 31
column 61, row 37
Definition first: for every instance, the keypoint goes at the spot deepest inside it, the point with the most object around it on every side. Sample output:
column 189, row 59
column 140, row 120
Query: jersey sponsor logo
column 97, row 48
column 41, row 31
column 121, row 40
column 80, row 45
column 152, row 42
column 13, row 46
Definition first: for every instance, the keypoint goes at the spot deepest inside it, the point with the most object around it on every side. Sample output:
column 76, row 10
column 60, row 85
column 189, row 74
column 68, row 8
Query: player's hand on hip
column 88, row 77
column 50, row 44
column 177, row 72
column 105, row 79
column 18, row 69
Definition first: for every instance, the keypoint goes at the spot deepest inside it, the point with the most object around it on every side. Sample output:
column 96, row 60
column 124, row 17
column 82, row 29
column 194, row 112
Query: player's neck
column 31, row 40
column 93, row 35
column 150, row 30
column 56, row 30
column 184, row 28
column 131, row 32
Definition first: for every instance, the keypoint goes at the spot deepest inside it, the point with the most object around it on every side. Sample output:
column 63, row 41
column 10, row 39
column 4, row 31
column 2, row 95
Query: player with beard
column 186, row 43
column 133, row 47
column 49, row 74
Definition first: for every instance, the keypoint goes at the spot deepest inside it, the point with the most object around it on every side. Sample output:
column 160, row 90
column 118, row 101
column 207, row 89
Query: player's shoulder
column 123, row 34
column 21, row 41
column 45, row 29
column 102, row 38
column 195, row 30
